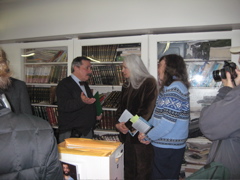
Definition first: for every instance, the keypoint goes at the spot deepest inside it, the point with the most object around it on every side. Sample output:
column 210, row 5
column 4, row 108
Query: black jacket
column 73, row 112
column 18, row 97
column 28, row 148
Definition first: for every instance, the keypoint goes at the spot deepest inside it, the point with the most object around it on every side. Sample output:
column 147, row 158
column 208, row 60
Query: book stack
column 196, row 154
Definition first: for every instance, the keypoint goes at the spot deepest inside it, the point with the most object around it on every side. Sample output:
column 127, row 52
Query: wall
column 35, row 20
column 29, row 19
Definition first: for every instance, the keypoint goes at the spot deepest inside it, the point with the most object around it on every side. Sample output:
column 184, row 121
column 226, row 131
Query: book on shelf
column 43, row 95
column 112, row 100
column 106, row 75
column 108, row 120
column 52, row 95
column 107, row 137
column 29, row 74
column 48, row 113
column 61, row 56
column 45, row 73
column 111, row 53
column 104, row 53
column 45, row 55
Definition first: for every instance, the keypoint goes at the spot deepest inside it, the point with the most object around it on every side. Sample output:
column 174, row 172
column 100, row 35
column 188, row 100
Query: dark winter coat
column 28, row 148
column 139, row 102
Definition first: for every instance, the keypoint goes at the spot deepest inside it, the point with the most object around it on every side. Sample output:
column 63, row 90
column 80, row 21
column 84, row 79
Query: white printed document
column 134, row 123
column 126, row 115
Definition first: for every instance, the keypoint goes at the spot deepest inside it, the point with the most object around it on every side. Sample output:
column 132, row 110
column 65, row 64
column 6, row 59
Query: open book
column 134, row 123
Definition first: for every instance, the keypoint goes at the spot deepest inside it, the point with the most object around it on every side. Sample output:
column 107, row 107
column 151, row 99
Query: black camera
column 230, row 67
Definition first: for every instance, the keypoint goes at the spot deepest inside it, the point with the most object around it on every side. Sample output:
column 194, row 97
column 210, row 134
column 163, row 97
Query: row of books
column 45, row 74
column 106, row 75
column 41, row 55
column 107, row 137
column 106, row 53
column 111, row 53
column 108, row 120
column 47, row 95
column 43, row 95
column 112, row 100
column 200, row 74
column 48, row 113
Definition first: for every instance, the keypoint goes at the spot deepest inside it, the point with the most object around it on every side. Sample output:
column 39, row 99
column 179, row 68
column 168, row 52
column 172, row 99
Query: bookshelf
column 44, row 65
column 107, row 55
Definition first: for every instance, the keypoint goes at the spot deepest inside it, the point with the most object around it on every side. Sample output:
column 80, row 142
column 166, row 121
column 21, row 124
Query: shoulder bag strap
column 219, row 143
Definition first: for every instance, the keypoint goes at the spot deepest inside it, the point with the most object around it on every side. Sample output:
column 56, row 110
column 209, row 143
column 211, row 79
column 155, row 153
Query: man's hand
column 99, row 117
column 228, row 81
column 122, row 128
column 87, row 100
column 237, row 79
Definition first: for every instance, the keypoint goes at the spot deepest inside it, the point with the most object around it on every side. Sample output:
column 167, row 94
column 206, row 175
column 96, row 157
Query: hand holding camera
column 229, row 74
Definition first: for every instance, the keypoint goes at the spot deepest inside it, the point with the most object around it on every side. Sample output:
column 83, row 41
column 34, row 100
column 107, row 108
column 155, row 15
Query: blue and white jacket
column 171, row 117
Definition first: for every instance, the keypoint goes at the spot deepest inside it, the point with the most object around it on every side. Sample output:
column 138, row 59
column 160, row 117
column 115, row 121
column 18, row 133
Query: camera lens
column 217, row 75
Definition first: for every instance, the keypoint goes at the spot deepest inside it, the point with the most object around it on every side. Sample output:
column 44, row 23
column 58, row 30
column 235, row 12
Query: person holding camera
column 221, row 122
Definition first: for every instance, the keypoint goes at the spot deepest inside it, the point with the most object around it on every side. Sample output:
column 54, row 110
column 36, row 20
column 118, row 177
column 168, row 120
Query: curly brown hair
column 175, row 70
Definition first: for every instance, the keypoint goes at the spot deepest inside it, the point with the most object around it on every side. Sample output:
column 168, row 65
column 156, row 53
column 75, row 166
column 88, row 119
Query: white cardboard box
column 97, row 167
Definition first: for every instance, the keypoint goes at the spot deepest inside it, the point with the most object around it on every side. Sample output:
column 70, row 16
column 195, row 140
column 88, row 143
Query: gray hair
column 138, row 71
column 78, row 62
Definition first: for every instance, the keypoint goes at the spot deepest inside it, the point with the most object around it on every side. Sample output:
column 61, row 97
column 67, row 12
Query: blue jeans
column 167, row 163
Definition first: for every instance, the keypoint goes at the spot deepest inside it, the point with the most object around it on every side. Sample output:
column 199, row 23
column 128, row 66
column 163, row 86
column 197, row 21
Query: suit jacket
column 18, row 96
column 73, row 112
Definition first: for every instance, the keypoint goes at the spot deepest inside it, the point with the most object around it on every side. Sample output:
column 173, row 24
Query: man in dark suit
column 14, row 89
column 76, row 105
